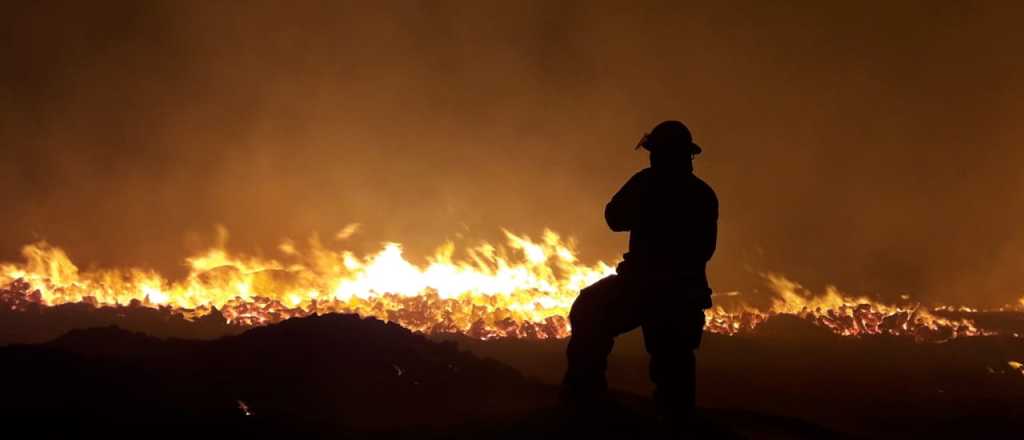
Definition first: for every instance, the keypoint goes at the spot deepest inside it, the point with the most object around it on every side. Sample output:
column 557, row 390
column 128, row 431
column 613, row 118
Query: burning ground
column 802, row 365
column 522, row 288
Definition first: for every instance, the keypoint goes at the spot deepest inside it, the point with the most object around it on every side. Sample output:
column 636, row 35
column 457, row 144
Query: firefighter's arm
column 625, row 209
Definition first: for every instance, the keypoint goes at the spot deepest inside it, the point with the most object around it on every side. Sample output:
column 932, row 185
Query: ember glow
column 1017, row 366
column 522, row 288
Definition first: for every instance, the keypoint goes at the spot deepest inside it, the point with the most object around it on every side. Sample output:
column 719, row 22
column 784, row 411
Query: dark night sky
column 873, row 145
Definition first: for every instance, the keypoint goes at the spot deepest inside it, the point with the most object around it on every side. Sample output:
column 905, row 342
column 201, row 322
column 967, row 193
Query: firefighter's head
column 670, row 144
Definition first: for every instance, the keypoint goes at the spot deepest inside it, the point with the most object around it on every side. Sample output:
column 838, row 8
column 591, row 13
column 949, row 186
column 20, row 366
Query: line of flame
column 523, row 288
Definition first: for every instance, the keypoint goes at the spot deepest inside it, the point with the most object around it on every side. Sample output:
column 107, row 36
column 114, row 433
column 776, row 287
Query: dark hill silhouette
column 332, row 375
column 24, row 320
column 336, row 372
column 315, row 376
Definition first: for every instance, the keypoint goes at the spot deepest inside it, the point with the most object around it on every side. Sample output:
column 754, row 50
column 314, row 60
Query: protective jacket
column 672, row 219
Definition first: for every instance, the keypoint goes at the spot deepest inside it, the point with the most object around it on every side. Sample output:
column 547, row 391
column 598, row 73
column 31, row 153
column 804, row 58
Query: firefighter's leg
column 600, row 313
column 671, row 342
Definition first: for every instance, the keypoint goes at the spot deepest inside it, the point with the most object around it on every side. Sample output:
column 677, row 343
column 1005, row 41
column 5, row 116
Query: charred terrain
column 314, row 376
column 867, row 387
column 355, row 377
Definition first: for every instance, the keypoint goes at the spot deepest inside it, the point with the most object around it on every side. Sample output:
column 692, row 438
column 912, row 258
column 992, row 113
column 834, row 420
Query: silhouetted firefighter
column 661, row 284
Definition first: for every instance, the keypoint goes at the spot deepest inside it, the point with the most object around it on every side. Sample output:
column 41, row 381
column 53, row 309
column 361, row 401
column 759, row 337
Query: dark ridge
column 332, row 370
column 24, row 321
column 331, row 375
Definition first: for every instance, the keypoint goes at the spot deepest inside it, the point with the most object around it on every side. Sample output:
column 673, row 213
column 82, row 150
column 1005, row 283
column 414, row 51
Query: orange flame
column 1017, row 366
column 523, row 288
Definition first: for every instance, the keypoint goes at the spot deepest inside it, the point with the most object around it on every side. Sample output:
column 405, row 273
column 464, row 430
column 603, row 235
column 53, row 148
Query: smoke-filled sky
column 871, row 145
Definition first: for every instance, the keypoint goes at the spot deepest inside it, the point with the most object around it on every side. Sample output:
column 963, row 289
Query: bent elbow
column 617, row 223
column 616, row 227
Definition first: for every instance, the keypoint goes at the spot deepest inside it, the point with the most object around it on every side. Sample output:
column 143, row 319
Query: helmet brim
column 693, row 147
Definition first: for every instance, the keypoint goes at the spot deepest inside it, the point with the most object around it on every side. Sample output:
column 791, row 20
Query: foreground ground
column 358, row 378
column 335, row 375
column 870, row 387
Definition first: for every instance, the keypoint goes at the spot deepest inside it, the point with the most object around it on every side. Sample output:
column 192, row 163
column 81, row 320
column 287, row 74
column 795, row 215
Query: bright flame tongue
column 522, row 289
